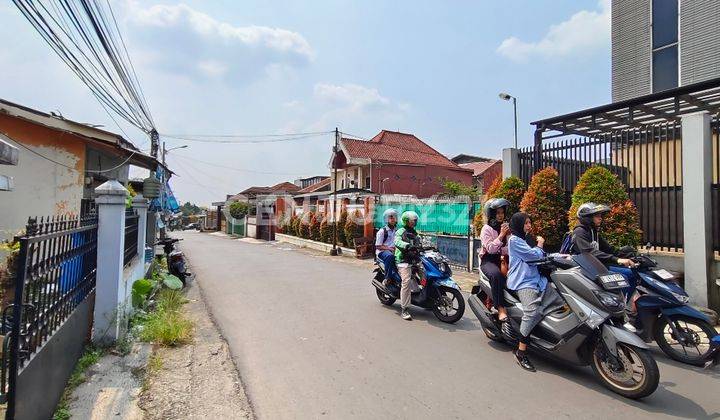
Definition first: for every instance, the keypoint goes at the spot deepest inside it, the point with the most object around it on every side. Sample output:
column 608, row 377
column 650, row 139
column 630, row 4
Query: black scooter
column 175, row 259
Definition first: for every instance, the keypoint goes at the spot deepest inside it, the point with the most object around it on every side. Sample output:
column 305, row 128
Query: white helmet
column 389, row 212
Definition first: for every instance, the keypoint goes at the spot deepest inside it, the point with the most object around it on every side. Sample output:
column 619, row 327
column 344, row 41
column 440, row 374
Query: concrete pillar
column 151, row 229
column 109, row 290
column 697, row 207
column 510, row 163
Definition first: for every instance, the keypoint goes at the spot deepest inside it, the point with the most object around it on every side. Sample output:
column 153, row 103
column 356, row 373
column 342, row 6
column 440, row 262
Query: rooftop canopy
column 660, row 107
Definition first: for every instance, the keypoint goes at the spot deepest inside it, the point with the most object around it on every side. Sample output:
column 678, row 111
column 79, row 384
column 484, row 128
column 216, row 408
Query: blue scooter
column 664, row 315
column 438, row 291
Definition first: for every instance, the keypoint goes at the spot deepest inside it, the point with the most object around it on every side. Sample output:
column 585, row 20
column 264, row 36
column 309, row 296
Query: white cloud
column 354, row 97
column 585, row 30
column 181, row 39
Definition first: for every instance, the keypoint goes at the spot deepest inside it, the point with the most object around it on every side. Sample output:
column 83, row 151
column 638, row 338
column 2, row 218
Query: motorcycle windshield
column 591, row 266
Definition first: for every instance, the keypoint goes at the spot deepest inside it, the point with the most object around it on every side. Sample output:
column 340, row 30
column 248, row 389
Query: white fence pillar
column 109, row 290
column 697, row 208
column 510, row 162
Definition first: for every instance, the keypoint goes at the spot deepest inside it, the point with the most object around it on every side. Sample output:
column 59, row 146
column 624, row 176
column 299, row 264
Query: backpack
column 567, row 243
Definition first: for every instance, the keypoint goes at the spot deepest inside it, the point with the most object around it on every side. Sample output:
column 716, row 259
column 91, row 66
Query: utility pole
column 334, row 250
column 164, row 151
column 154, row 143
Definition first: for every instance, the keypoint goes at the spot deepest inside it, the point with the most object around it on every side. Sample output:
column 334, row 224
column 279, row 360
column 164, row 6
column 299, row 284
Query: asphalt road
column 311, row 340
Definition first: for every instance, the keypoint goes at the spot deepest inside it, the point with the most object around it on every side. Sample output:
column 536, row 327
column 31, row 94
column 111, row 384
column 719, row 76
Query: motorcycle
column 175, row 259
column 587, row 329
column 713, row 357
column 660, row 311
column 431, row 271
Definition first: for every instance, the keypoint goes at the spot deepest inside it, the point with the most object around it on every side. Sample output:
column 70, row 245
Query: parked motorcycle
column 586, row 330
column 713, row 357
column 660, row 311
column 432, row 272
column 175, row 259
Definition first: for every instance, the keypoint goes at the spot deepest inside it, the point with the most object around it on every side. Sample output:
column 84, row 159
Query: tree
column 512, row 189
column 478, row 221
column 189, row 209
column 622, row 226
column 341, row 227
column 314, row 228
column 353, row 229
column 238, row 209
column 544, row 202
column 326, row 231
column 293, row 226
column 305, row 224
column 458, row 189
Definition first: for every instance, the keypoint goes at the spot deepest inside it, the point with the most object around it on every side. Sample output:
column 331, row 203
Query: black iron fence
column 131, row 236
column 715, row 187
column 647, row 160
column 55, row 273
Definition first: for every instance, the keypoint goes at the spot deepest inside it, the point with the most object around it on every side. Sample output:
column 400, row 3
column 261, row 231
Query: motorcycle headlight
column 611, row 301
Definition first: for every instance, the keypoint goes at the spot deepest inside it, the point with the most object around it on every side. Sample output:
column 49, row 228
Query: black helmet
column 493, row 204
column 587, row 210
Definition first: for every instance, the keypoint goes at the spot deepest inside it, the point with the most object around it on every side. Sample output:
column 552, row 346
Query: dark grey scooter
column 585, row 330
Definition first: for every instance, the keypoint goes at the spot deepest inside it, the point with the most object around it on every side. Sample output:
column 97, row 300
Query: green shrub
column 512, row 189
column 341, row 227
column 314, row 228
column 621, row 227
column 305, row 225
column 141, row 290
column 296, row 225
column 458, row 189
column 238, row 209
column 353, row 228
column 544, row 202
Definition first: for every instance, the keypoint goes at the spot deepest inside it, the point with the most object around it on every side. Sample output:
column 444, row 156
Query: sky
column 431, row 68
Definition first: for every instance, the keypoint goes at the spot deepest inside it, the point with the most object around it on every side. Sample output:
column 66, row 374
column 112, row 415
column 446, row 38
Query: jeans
column 388, row 259
column 629, row 275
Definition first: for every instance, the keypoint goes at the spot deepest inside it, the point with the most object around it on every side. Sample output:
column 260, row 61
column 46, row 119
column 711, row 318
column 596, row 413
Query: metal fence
column 131, row 236
column 715, row 187
column 55, row 273
column 647, row 160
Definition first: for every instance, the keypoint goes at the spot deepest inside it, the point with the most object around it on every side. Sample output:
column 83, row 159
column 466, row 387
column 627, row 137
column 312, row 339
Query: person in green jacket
column 406, row 239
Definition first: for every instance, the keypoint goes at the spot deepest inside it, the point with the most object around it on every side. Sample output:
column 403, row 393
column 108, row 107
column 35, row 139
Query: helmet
column 493, row 204
column 389, row 212
column 407, row 216
column 588, row 210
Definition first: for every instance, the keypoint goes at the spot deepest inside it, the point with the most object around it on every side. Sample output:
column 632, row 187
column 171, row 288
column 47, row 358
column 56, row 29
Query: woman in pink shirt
column 493, row 237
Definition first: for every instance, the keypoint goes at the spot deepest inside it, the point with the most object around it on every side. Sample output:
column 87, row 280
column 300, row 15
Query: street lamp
column 164, row 150
column 507, row 97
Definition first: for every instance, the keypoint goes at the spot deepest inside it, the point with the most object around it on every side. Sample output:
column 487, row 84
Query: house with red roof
column 485, row 170
column 394, row 163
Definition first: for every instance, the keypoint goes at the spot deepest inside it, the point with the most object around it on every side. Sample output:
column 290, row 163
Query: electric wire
column 239, row 169
column 254, row 141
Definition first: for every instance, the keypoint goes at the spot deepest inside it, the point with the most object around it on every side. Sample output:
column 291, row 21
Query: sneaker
column 523, row 361
column 406, row 315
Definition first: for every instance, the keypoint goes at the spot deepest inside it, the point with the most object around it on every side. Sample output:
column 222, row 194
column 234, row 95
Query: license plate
column 612, row 278
column 664, row 274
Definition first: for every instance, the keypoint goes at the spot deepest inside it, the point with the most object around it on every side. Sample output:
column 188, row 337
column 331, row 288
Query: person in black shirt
column 586, row 236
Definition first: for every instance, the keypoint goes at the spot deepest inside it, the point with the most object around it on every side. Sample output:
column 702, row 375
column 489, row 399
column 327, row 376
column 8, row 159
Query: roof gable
column 395, row 147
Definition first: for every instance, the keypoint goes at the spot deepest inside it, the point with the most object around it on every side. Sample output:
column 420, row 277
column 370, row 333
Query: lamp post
column 507, row 97
column 335, row 249
column 164, row 151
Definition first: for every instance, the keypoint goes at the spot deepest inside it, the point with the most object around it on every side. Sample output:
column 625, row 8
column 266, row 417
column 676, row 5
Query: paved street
column 311, row 340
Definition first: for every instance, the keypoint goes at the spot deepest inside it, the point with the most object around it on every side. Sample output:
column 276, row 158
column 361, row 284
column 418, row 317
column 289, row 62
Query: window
column 664, row 44
column 367, row 182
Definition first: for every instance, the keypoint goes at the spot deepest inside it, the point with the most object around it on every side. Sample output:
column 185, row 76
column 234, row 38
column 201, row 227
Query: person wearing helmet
column 406, row 251
column 493, row 238
column 385, row 242
column 587, row 238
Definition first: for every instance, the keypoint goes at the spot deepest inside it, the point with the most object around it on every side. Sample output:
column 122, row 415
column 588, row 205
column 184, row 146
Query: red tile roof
column 479, row 168
column 316, row 186
column 395, row 147
column 284, row 186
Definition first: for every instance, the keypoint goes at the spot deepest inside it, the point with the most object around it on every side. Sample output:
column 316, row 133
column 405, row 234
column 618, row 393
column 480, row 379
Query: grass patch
column 89, row 358
column 155, row 364
column 167, row 325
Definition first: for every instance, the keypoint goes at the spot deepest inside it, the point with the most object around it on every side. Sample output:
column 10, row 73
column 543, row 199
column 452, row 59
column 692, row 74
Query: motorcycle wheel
column 638, row 377
column 384, row 298
column 450, row 306
column 698, row 332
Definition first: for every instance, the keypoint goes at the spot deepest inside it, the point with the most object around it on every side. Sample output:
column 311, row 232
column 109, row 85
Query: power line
column 254, row 139
column 237, row 169
column 245, row 135
column 75, row 169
